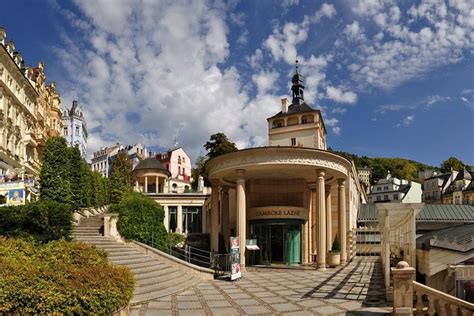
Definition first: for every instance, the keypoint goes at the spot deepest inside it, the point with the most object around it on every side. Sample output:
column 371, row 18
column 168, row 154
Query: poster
column 235, row 258
column 16, row 196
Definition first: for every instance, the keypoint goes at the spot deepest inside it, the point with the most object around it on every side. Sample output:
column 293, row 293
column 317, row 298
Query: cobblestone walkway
column 356, row 289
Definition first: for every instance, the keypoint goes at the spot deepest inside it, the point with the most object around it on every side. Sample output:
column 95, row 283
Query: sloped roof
column 429, row 213
column 463, row 175
column 458, row 238
column 295, row 108
column 151, row 163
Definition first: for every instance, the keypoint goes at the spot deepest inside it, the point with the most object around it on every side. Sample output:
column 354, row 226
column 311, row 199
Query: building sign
column 235, row 258
column 279, row 212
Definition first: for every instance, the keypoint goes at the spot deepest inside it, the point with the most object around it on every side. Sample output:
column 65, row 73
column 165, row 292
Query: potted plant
column 335, row 253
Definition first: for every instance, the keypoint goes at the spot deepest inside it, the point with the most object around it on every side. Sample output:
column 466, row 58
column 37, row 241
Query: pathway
column 356, row 289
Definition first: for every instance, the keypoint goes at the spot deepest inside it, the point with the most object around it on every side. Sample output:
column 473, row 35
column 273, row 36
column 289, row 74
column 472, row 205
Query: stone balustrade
column 428, row 300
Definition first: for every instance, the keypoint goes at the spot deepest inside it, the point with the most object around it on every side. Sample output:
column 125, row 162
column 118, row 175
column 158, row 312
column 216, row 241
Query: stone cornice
column 265, row 156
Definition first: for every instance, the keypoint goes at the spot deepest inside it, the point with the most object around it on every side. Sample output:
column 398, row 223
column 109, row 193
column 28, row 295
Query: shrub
column 141, row 219
column 60, row 277
column 43, row 220
column 336, row 246
column 175, row 239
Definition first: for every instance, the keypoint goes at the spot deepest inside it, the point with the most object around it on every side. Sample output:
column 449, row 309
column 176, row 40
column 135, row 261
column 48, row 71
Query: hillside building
column 396, row 190
column 461, row 189
column 434, row 187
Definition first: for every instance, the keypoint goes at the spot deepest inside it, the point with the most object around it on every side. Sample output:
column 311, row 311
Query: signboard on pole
column 235, row 258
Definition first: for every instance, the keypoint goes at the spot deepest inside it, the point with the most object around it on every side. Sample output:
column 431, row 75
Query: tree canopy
column 218, row 145
column 452, row 162
column 121, row 177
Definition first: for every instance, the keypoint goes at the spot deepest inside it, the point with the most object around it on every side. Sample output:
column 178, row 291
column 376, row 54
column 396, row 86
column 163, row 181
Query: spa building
column 292, row 197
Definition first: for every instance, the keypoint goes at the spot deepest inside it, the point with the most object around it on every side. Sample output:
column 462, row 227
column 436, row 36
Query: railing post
column 403, row 276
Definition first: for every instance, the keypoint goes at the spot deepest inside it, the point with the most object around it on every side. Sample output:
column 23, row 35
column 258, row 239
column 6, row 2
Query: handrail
column 442, row 298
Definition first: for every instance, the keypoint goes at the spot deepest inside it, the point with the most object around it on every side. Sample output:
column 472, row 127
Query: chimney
column 284, row 105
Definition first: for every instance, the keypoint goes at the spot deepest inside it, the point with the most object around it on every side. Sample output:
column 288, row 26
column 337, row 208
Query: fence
column 192, row 255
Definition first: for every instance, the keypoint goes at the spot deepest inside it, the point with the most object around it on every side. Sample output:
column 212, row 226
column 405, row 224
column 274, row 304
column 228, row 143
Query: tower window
column 293, row 142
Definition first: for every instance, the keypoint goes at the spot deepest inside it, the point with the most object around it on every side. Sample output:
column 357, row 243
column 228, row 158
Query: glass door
column 293, row 244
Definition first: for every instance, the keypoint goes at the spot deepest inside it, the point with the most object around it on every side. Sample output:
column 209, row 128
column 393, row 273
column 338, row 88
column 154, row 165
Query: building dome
column 151, row 163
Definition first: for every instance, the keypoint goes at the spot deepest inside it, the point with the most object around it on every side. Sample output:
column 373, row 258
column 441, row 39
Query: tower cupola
column 297, row 87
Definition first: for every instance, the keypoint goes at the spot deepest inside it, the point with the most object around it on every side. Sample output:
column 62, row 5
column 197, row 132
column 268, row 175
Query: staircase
column 154, row 278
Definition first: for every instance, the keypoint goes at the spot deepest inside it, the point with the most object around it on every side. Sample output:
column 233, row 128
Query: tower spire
column 297, row 86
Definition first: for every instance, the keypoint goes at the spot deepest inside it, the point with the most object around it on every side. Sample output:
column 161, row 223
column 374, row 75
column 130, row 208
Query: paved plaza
column 356, row 289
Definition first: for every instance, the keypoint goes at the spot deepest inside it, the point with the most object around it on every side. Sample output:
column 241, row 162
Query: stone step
column 86, row 228
column 159, row 284
column 154, row 271
column 159, row 278
column 141, row 266
column 86, row 233
column 140, row 298
column 125, row 253
column 125, row 262
column 129, row 256
column 117, row 250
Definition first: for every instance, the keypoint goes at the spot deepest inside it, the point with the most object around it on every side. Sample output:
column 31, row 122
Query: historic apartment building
column 75, row 128
column 435, row 186
column 29, row 114
column 292, row 198
column 461, row 189
column 103, row 158
column 392, row 189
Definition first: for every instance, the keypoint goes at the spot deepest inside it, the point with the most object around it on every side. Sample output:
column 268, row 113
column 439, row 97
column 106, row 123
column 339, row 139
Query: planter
column 334, row 259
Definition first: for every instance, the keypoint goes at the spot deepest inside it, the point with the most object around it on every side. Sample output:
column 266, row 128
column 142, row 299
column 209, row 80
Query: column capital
column 320, row 173
column 240, row 173
column 341, row 182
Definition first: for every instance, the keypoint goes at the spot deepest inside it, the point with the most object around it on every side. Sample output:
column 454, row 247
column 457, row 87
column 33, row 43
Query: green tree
column 198, row 170
column 452, row 162
column 78, row 179
column 218, row 145
column 120, row 178
column 54, row 175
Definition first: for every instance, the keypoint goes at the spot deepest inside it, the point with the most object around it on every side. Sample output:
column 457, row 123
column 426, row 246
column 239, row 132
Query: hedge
column 43, row 220
column 60, row 277
column 141, row 219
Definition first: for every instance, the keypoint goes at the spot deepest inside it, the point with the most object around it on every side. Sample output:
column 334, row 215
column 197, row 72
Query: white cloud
column 160, row 62
column 339, row 110
column 337, row 95
column 432, row 33
column 288, row 3
column 407, row 121
column 336, row 130
column 265, row 81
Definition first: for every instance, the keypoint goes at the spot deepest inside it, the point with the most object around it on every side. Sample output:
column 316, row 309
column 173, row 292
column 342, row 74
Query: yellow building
column 29, row 114
column 292, row 197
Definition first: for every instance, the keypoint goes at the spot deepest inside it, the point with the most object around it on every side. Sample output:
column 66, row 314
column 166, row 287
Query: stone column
column 157, row 190
column 215, row 217
column 225, row 216
column 313, row 223
column 403, row 277
column 145, row 189
column 308, row 230
column 241, row 215
column 179, row 219
column 329, row 239
column 167, row 219
column 341, row 198
column 412, row 238
column 305, row 242
column 204, row 219
column 321, row 206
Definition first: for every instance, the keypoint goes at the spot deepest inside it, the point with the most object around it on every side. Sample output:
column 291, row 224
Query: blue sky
column 393, row 79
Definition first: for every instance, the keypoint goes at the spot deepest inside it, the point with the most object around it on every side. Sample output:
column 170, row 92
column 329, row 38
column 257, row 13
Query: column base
column 321, row 267
column 343, row 262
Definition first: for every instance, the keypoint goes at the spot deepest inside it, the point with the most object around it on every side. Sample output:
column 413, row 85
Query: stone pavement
column 356, row 289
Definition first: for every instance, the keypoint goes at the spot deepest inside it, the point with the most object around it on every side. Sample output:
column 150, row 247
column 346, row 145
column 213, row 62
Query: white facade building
column 101, row 159
column 392, row 189
column 75, row 128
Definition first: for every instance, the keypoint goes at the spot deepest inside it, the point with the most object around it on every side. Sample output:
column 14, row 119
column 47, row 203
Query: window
column 379, row 189
column 385, row 187
column 304, row 120
column 65, row 131
column 385, row 197
column 378, row 197
column 179, row 159
column 293, row 142
column 395, row 196
column 179, row 170
column 77, row 130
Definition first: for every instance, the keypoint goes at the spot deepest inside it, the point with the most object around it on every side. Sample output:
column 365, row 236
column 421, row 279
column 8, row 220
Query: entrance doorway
column 279, row 242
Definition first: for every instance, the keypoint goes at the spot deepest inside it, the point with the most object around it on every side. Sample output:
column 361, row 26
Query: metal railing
column 222, row 265
column 192, row 255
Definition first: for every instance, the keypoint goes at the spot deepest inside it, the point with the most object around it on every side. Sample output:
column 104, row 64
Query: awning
column 252, row 247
